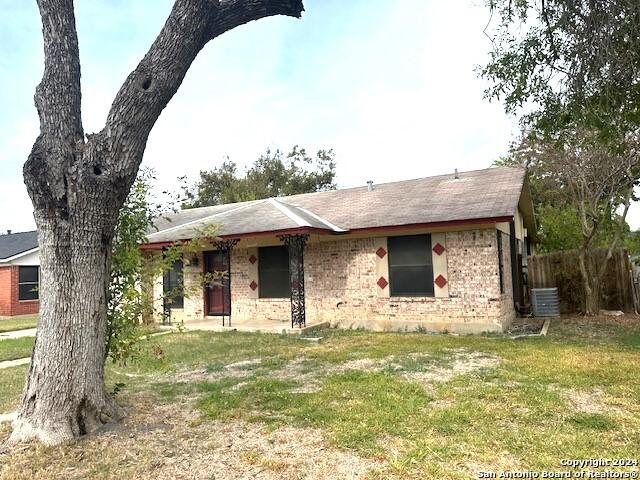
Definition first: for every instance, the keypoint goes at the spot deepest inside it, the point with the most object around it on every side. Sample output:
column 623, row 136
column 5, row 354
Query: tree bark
column 590, row 285
column 77, row 186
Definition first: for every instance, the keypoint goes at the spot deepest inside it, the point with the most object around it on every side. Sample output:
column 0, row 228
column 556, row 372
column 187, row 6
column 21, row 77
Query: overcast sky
column 388, row 84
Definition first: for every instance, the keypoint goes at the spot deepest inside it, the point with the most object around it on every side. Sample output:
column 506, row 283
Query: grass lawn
column 13, row 348
column 358, row 405
column 11, row 324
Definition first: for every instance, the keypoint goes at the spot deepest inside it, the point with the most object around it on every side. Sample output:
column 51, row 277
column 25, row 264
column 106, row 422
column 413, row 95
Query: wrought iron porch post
column 295, row 244
column 225, row 247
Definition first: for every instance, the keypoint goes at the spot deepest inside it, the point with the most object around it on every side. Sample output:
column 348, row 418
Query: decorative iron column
column 295, row 244
column 225, row 247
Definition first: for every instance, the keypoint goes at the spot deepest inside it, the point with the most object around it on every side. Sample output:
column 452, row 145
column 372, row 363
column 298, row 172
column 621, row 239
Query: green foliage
column 556, row 214
column 559, row 228
column 274, row 174
column 126, row 302
column 569, row 63
column 131, row 270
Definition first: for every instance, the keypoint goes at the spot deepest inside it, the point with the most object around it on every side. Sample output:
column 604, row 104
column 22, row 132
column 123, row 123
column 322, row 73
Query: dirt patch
column 429, row 369
column 236, row 370
column 173, row 442
column 459, row 362
column 587, row 401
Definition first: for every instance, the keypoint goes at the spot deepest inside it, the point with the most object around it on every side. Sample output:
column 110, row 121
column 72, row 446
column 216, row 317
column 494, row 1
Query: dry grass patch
column 172, row 442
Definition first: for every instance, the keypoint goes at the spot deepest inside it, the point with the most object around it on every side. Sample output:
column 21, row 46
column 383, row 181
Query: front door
column 217, row 292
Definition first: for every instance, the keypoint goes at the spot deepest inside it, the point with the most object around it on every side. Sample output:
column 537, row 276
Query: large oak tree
column 77, row 184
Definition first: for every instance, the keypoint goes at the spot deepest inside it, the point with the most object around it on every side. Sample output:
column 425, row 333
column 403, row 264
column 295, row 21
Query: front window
column 28, row 282
column 172, row 285
column 273, row 272
column 410, row 266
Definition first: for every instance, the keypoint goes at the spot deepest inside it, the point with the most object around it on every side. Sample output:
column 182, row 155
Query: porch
column 255, row 325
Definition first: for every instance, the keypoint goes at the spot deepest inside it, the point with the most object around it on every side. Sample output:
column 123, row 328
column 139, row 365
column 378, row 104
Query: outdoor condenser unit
column 545, row 302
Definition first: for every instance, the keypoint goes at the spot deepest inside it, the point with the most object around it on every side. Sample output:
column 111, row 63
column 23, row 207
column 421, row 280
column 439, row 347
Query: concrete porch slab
column 254, row 327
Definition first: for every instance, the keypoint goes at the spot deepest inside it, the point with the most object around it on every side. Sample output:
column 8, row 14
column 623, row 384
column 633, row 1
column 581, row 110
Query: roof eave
column 18, row 255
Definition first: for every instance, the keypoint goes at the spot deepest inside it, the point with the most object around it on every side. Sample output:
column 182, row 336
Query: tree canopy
column 568, row 63
column 273, row 174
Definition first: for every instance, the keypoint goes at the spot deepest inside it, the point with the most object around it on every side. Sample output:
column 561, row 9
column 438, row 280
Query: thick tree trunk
column 77, row 185
column 65, row 394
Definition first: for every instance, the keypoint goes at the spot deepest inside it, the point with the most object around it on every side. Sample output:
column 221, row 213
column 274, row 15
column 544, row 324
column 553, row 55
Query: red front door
column 217, row 292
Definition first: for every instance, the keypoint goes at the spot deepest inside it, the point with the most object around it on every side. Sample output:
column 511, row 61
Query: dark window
column 500, row 260
column 172, row 285
column 410, row 266
column 273, row 272
column 28, row 281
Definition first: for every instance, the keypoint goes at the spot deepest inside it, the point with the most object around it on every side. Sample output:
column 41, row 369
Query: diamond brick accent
column 439, row 249
column 440, row 281
column 381, row 252
column 253, row 260
column 382, row 283
column 253, row 285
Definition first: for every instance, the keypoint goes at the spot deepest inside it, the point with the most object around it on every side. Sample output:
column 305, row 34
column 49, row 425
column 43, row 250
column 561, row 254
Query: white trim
column 319, row 218
column 9, row 259
column 292, row 216
column 203, row 219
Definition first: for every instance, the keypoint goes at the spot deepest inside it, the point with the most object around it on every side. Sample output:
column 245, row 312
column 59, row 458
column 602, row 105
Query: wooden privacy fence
column 562, row 270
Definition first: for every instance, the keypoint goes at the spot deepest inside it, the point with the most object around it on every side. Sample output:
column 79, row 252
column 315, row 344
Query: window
column 273, row 272
column 500, row 260
column 410, row 266
column 172, row 285
column 28, row 282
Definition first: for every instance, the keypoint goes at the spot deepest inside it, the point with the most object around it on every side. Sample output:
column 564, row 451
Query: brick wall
column 341, row 288
column 9, row 303
column 5, row 291
column 340, row 285
column 243, row 306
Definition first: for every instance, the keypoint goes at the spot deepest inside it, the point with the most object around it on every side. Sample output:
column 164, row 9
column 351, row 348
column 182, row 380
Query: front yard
column 18, row 323
column 357, row 405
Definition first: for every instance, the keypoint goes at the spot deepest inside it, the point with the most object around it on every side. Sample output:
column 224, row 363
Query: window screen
column 172, row 285
column 28, row 281
column 410, row 266
column 273, row 272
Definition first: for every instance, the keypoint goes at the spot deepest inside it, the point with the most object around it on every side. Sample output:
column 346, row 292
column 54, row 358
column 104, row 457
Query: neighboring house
column 19, row 274
column 443, row 253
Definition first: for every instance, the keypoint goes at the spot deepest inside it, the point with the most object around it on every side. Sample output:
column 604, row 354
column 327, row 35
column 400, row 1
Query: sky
column 389, row 85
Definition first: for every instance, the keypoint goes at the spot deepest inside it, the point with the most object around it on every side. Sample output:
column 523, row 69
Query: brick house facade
column 362, row 260
column 19, row 272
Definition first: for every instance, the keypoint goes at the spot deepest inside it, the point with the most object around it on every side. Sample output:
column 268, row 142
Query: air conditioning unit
column 545, row 302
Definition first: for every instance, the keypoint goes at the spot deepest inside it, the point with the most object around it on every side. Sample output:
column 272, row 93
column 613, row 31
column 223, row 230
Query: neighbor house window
column 28, row 282
column 410, row 266
column 273, row 272
column 500, row 260
column 172, row 285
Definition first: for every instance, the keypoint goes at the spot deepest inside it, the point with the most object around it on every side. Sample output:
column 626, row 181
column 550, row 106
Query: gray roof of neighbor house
column 13, row 244
column 482, row 194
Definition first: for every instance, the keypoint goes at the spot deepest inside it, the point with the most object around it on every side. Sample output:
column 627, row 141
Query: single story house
column 443, row 253
column 19, row 274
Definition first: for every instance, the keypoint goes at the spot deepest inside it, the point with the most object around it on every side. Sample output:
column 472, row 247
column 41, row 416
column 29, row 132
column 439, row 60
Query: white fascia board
column 22, row 254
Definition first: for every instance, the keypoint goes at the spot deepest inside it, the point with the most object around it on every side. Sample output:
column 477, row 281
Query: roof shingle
column 480, row 194
column 15, row 243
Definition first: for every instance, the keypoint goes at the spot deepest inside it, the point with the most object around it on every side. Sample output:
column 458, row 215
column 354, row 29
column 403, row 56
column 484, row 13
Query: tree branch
column 58, row 96
column 150, row 87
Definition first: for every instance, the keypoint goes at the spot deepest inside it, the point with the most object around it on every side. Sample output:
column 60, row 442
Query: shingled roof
column 472, row 196
column 13, row 244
